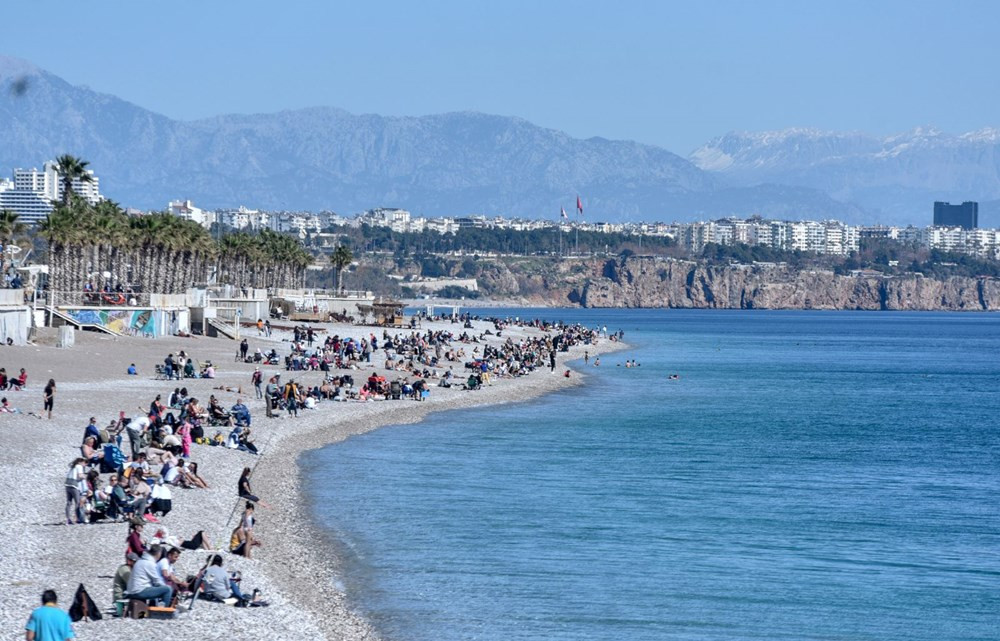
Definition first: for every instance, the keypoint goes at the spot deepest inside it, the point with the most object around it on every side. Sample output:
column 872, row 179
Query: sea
column 808, row 475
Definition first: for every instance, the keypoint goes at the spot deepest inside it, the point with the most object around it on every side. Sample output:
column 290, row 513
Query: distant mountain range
column 894, row 178
column 462, row 163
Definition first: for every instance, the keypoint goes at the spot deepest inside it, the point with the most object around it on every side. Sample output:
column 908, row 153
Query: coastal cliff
column 649, row 282
column 659, row 282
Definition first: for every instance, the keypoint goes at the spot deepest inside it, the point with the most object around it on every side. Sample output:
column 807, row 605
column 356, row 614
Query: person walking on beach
column 292, row 398
column 267, row 328
column 49, row 623
column 49, row 397
column 244, row 348
column 257, row 378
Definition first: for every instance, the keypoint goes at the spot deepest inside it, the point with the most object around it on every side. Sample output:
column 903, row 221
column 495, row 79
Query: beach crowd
column 131, row 468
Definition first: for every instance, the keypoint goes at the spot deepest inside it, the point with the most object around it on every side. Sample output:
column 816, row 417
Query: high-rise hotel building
column 31, row 192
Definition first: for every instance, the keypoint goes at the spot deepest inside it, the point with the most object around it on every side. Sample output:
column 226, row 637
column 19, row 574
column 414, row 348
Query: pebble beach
column 295, row 568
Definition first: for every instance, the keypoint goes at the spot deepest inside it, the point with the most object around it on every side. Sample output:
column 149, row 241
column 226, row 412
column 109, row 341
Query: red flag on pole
column 579, row 206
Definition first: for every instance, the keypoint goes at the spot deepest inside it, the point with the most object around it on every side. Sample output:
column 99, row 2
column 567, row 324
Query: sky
column 673, row 74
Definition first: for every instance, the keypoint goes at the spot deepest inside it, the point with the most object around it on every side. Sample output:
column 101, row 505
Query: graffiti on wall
column 141, row 322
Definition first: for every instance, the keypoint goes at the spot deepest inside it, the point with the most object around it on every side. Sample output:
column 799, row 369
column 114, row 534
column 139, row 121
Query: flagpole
column 579, row 210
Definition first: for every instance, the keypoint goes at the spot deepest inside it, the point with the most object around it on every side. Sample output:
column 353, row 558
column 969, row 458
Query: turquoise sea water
column 811, row 476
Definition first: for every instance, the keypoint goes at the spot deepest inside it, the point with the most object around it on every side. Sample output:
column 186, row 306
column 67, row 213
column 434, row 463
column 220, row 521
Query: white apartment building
column 32, row 192
column 442, row 225
column 185, row 209
column 298, row 223
column 396, row 219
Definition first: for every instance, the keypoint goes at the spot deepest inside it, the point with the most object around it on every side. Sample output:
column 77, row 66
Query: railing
column 320, row 292
column 95, row 299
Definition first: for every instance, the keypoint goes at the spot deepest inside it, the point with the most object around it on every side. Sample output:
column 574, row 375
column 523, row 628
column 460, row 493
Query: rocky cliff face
column 650, row 282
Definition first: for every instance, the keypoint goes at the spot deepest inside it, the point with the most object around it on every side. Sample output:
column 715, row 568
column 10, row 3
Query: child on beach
column 49, row 397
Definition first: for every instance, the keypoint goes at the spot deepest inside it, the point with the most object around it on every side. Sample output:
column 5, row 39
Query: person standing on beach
column 244, row 348
column 49, row 397
column 49, row 623
column 76, row 484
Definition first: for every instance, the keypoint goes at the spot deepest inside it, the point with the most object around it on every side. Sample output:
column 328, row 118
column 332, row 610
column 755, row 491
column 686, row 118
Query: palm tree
column 71, row 168
column 341, row 258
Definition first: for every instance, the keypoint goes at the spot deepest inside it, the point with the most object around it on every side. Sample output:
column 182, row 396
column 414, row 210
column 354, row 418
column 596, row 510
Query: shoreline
column 327, row 585
column 297, row 568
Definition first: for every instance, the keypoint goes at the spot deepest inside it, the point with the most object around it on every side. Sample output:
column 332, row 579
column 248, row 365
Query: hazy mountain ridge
column 326, row 158
column 896, row 178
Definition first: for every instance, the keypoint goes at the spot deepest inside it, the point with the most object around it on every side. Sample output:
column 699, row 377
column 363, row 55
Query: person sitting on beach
column 196, row 412
column 239, row 542
column 124, row 571
column 217, row 585
column 135, row 544
column 189, row 472
column 19, row 383
column 132, row 371
column 241, row 413
column 243, row 488
column 166, row 567
column 113, row 432
column 122, row 501
column 91, row 451
column 139, row 468
column 189, row 369
column 217, row 413
column 170, row 472
column 92, row 429
column 162, row 499
column 146, row 583
column 242, row 540
column 209, row 371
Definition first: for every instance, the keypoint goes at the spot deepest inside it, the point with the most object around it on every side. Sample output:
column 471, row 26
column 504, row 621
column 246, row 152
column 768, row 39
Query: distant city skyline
column 671, row 74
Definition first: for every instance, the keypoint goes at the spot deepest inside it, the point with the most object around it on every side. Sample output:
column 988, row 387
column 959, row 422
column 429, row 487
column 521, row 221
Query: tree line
column 532, row 242
column 100, row 246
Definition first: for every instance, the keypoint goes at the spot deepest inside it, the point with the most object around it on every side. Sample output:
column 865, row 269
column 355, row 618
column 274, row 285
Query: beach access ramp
column 215, row 327
column 58, row 319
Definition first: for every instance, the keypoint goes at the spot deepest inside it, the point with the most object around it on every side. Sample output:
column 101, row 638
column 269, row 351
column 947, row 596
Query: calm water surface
column 810, row 476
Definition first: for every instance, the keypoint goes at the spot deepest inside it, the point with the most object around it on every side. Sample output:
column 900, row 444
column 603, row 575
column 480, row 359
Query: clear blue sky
column 671, row 74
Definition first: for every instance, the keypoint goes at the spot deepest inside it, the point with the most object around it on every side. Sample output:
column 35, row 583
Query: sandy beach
column 294, row 568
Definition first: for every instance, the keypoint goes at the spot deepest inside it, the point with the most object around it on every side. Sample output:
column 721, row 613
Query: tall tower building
column 965, row 215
